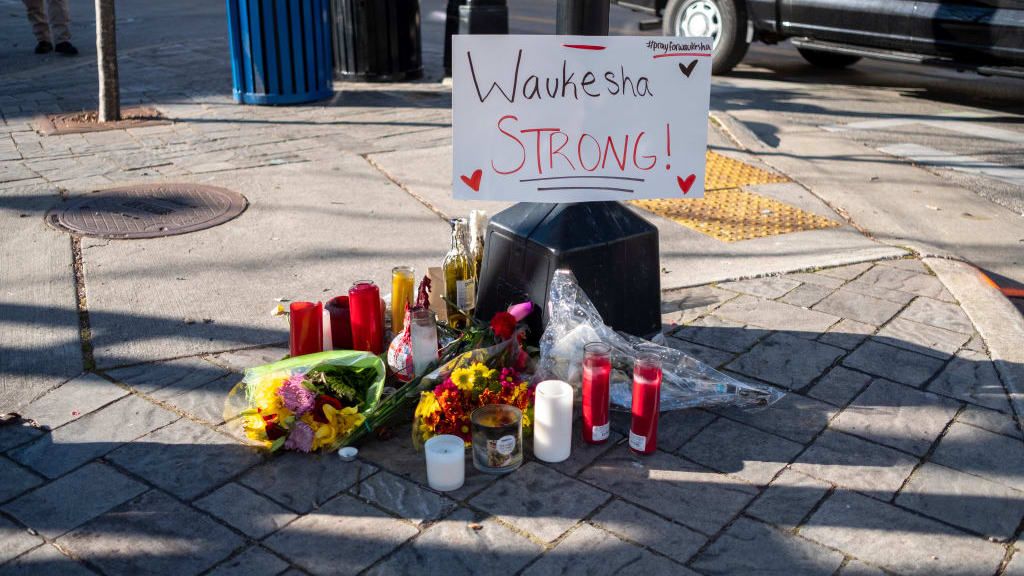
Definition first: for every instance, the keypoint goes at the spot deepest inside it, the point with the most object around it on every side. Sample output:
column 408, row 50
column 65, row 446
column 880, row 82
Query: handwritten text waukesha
column 567, row 85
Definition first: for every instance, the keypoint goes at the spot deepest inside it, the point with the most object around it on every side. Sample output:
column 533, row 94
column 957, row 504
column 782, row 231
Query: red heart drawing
column 684, row 185
column 474, row 181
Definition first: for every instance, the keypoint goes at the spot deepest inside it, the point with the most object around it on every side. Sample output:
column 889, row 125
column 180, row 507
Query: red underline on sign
column 704, row 54
column 584, row 46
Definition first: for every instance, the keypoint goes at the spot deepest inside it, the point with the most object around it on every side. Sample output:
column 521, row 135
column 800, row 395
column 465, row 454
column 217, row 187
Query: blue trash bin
column 280, row 50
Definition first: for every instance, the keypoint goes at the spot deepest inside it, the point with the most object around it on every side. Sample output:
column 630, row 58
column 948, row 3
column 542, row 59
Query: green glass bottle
column 477, row 229
column 459, row 276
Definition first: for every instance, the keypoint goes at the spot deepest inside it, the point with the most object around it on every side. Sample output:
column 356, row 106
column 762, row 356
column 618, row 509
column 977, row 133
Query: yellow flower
column 481, row 374
column 254, row 427
column 340, row 423
column 463, row 378
column 428, row 405
column 264, row 392
column 266, row 403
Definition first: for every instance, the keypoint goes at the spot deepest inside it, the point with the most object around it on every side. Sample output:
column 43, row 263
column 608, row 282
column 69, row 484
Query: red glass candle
column 367, row 320
column 597, row 373
column 341, row 323
column 643, row 433
column 306, row 336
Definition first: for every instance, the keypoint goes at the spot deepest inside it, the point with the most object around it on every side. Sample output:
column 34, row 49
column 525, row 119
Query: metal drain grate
column 147, row 211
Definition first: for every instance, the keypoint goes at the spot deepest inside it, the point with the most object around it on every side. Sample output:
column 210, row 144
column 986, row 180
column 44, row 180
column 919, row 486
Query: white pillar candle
column 552, row 421
column 446, row 462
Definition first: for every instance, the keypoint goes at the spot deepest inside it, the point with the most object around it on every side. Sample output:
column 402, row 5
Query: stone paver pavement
column 863, row 466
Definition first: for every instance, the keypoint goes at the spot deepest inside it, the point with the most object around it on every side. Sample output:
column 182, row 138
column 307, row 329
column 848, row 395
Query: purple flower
column 509, row 377
column 296, row 396
column 300, row 438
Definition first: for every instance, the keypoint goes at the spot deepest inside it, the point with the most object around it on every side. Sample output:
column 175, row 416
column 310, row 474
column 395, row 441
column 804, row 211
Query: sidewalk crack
column 84, row 324
column 393, row 180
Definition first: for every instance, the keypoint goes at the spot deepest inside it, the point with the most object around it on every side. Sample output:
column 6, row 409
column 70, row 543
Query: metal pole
column 451, row 27
column 582, row 17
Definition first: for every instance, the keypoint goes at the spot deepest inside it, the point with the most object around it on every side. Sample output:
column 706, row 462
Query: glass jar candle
column 446, row 462
column 367, row 321
column 643, row 432
column 497, row 438
column 341, row 324
column 423, row 333
column 306, row 333
column 597, row 374
column 402, row 278
column 552, row 421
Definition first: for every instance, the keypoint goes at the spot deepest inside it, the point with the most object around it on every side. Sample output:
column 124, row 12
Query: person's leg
column 59, row 20
column 37, row 16
column 59, row 24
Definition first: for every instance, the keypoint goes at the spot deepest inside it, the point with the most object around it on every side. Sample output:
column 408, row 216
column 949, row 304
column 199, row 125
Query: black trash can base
column 612, row 251
column 377, row 40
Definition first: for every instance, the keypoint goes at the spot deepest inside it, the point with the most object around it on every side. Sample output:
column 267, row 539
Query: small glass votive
column 497, row 438
column 446, row 462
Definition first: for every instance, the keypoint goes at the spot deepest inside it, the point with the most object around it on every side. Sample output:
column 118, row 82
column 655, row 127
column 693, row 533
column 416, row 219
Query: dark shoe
column 44, row 47
column 66, row 49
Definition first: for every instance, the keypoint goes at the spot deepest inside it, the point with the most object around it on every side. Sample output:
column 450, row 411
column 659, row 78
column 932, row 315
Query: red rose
column 504, row 325
column 274, row 431
column 318, row 407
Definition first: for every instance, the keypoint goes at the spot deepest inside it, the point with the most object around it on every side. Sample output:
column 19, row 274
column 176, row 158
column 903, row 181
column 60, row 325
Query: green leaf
column 348, row 383
column 277, row 444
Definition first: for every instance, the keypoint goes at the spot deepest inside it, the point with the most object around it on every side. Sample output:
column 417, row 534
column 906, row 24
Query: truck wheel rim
column 702, row 18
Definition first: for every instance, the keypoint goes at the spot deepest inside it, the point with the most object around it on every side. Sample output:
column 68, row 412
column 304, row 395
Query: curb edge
column 994, row 317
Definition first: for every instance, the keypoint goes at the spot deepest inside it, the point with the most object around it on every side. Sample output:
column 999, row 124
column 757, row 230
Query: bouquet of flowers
column 488, row 366
column 308, row 403
column 446, row 409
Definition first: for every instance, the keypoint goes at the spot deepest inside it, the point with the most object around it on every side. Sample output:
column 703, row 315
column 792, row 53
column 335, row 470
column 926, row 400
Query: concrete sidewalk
column 897, row 448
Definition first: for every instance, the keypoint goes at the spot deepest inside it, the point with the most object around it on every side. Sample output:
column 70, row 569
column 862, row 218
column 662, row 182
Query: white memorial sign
column 579, row 118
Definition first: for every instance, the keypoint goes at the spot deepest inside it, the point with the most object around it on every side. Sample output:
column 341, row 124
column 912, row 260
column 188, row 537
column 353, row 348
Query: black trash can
column 377, row 40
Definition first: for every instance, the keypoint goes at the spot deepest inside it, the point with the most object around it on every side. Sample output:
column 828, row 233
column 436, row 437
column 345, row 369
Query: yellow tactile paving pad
column 725, row 172
column 730, row 214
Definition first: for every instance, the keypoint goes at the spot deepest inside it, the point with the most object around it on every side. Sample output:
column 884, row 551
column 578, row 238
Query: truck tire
column 827, row 59
column 724, row 20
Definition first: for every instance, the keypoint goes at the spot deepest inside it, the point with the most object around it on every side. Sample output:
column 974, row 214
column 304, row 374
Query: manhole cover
column 147, row 211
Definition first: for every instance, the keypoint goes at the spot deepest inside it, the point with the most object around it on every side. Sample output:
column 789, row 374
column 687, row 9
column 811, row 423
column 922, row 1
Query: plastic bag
column 254, row 408
column 573, row 321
